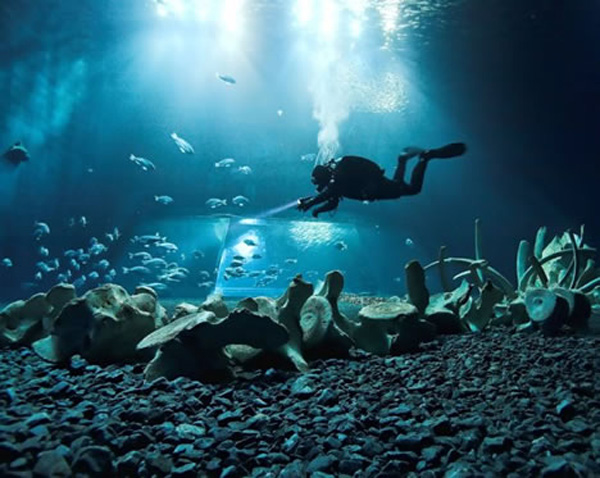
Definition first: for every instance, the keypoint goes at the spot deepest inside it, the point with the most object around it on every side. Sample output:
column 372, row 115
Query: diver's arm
column 330, row 205
column 305, row 204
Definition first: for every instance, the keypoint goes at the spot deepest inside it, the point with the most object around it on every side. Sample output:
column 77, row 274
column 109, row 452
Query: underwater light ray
column 277, row 210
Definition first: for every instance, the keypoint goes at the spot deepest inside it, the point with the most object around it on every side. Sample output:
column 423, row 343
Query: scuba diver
column 16, row 154
column 359, row 178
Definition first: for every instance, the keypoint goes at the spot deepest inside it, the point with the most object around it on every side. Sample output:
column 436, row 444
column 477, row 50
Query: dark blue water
column 88, row 83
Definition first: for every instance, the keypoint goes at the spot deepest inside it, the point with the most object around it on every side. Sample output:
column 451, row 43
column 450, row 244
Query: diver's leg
column 416, row 178
column 401, row 167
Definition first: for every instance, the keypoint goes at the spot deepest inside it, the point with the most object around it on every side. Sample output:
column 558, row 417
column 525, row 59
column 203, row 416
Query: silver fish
column 40, row 229
column 225, row 163
column 246, row 170
column 182, row 144
column 156, row 286
column 136, row 270
column 214, row 203
column 143, row 163
column 163, row 199
column 240, row 201
column 143, row 256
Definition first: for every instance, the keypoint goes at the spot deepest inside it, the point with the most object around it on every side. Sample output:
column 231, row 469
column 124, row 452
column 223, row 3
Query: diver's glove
column 304, row 204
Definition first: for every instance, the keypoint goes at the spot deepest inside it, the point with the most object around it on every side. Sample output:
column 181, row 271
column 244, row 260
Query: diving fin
column 451, row 150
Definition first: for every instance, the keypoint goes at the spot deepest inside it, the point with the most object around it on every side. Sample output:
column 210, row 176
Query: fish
column 6, row 262
column 225, row 163
column 291, row 261
column 93, row 275
column 175, row 276
column 116, row 233
column 250, row 242
column 70, row 253
column 156, row 263
column 311, row 157
column 97, row 249
column 143, row 163
column 256, row 256
column 198, row 254
column 409, row 242
column 43, row 267
column 204, row 275
column 214, row 203
column 136, row 270
column 38, row 276
column 148, row 239
column 84, row 258
column 83, row 221
column 206, row 284
column 44, row 252
column 74, row 264
column 341, row 246
column 240, row 201
column 163, row 199
column 264, row 281
column 143, row 256
column 103, row 264
column 109, row 236
column 40, row 229
column 230, row 80
column 182, row 144
column 255, row 273
column 167, row 246
column 236, row 263
column 62, row 278
column 156, row 286
column 245, row 170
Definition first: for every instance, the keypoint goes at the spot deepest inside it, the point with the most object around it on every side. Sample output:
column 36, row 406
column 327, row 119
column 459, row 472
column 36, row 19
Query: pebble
column 495, row 403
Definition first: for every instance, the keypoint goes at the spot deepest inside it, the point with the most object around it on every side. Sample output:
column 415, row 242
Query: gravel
column 490, row 404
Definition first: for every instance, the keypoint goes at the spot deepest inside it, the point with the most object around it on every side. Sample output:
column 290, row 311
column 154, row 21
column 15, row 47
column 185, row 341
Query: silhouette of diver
column 359, row 178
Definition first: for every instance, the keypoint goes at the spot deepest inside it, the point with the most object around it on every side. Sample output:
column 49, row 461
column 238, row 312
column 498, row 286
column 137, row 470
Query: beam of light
column 357, row 9
column 330, row 19
column 277, row 210
column 389, row 11
column 304, row 10
column 355, row 28
column 201, row 10
column 232, row 15
column 162, row 10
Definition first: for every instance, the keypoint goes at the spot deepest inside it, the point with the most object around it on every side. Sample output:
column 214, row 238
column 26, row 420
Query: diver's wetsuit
column 354, row 177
